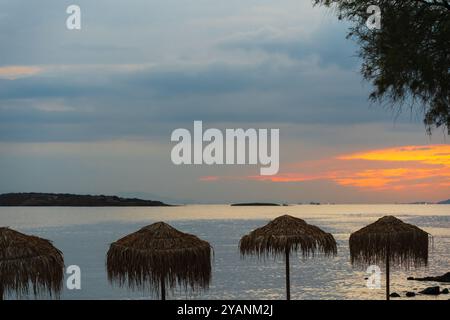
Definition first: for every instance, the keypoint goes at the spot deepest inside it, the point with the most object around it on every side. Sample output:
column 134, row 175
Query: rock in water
column 443, row 278
column 410, row 294
column 445, row 291
column 431, row 291
column 394, row 295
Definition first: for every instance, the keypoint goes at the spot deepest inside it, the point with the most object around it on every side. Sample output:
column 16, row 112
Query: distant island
column 420, row 202
column 425, row 202
column 255, row 204
column 72, row 200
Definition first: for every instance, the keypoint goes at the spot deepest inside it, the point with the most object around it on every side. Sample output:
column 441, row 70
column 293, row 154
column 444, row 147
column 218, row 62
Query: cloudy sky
column 92, row 111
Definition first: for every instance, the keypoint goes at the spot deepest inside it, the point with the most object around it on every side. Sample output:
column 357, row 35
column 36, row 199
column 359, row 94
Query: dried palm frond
column 287, row 234
column 404, row 244
column 158, row 253
column 28, row 262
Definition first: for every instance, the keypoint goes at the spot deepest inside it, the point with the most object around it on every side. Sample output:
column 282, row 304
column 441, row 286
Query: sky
column 92, row 110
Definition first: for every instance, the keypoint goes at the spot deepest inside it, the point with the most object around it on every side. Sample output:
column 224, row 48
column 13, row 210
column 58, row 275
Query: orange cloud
column 209, row 178
column 401, row 168
column 420, row 167
column 15, row 72
column 294, row 177
column 434, row 154
column 395, row 179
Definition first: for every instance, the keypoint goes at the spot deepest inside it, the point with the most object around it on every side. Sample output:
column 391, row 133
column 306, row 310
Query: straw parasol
column 284, row 235
column 29, row 261
column 160, row 255
column 389, row 241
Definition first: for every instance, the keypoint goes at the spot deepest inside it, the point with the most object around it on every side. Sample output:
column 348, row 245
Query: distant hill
column 72, row 200
column 255, row 204
column 445, row 202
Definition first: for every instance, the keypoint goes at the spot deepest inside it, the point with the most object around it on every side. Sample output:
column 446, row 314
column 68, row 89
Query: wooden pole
column 288, row 280
column 1, row 292
column 387, row 275
column 163, row 288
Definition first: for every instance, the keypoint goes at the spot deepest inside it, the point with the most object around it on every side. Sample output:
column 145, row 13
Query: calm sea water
column 84, row 235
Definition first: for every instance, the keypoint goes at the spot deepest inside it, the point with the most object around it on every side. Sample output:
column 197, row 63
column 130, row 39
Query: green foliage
column 408, row 59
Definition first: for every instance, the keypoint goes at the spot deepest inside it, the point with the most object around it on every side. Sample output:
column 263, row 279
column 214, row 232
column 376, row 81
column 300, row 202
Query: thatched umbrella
column 286, row 234
column 389, row 241
column 29, row 261
column 160, row 255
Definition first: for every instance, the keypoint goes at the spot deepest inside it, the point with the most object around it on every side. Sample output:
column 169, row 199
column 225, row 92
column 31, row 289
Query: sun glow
column 401, row 168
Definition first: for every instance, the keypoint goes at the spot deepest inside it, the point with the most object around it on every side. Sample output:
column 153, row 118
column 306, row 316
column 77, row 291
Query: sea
column 84, row 235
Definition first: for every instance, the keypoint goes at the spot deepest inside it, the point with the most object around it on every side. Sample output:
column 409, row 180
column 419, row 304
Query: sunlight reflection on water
column 84, row 234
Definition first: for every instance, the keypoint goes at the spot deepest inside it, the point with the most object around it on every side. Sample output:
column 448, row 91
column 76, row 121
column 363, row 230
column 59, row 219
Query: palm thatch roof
column 404, row 243
column 287, row 234
column 158, row 253
column 28, row 261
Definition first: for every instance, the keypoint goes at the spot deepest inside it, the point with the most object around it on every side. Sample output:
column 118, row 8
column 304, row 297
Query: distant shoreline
column 255, row 204
column 34, row 199
column 37, row 199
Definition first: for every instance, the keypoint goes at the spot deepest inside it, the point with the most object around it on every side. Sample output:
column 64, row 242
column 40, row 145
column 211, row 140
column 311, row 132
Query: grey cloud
column 134, row 103
column 329, row 45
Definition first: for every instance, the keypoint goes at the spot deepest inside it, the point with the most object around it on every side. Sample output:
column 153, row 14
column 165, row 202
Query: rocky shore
column 433, row 291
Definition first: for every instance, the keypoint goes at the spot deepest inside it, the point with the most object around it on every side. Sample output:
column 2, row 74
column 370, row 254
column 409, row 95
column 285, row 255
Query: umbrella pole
column 288, row 280
column 163, row 288
column 387, row 276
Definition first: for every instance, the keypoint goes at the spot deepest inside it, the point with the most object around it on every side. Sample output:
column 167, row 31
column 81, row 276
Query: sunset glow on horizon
column 15, row 72
column 433, row 154
column 415, row 167
column 391, row 169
